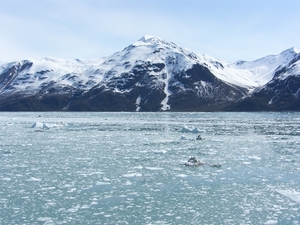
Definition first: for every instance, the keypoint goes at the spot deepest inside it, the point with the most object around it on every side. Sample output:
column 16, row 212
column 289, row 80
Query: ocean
column 129, row 168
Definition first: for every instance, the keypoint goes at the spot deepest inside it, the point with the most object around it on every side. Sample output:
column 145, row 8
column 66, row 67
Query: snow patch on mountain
column 262, row 70
column 62, row 72
column 293, row 70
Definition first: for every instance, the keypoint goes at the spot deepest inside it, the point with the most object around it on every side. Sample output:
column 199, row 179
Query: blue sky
column 225, row 29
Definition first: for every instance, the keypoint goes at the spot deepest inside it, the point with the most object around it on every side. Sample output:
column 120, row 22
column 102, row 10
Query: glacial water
column 127, row 168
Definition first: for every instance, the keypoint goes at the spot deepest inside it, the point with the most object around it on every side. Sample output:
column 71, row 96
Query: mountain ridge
column 151, row 74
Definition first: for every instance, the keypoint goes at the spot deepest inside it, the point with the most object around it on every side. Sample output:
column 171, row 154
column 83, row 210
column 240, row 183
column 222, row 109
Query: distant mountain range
column 152, row 75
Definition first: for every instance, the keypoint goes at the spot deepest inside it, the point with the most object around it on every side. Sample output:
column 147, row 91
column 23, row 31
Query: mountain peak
column 293, row 50
column 154, row 40
column 151, row 39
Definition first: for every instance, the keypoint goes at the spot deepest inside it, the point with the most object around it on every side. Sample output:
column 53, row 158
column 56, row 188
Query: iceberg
column 187, row 129
column 46, row 126
column 291, row 194
column 40, row 125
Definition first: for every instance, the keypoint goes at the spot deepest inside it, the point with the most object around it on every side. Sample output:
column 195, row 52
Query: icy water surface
column 127, row 168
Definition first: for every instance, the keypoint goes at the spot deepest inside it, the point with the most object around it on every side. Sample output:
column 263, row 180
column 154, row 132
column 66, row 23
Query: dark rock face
column 201, row 91
column 120, row 93
column 194, row 89
column 33, row 103
column 279, row 94
column 9, row 75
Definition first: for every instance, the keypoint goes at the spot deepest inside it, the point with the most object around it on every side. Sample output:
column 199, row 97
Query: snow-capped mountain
column 281, row 92
column 149, row 75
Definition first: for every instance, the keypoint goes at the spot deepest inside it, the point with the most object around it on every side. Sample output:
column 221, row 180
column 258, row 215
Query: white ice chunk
column 186, row 129
column 74, row 209
column 291, row 194
column 183, row 137
column 154, row 168
column 132, row 175
column 44, row 219
column 46, row 126
column 270, row 222
column 39, row 125
column 99, row 183
column 33, row 179
column 160, row 151
column 85, row 207
column 181, row 175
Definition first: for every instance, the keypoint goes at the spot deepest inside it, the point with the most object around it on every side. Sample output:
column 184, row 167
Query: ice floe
column 291, row 194
column 46, row 126
column 193, row 161
column 132, row 175
column 186, row 129
column 271, row 222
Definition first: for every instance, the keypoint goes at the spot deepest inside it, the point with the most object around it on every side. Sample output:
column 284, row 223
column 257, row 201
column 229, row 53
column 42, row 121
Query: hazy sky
column 225, row 29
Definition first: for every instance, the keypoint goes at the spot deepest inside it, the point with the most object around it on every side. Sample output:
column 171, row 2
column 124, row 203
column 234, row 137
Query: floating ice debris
column 187, row 129
column 45, row 219
column 181, row 175
column 199, row 138
column 216, row 165
column 33, row 179
column 154, row 168
column 291, row 194
column 74, row 209
column 7, row 152
column 46, row 126
column 271, row 222
column 132, row 175
column 41, row 125
column 99, row 183
column 183, row 137
column 160, row 151
column 193, row 161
